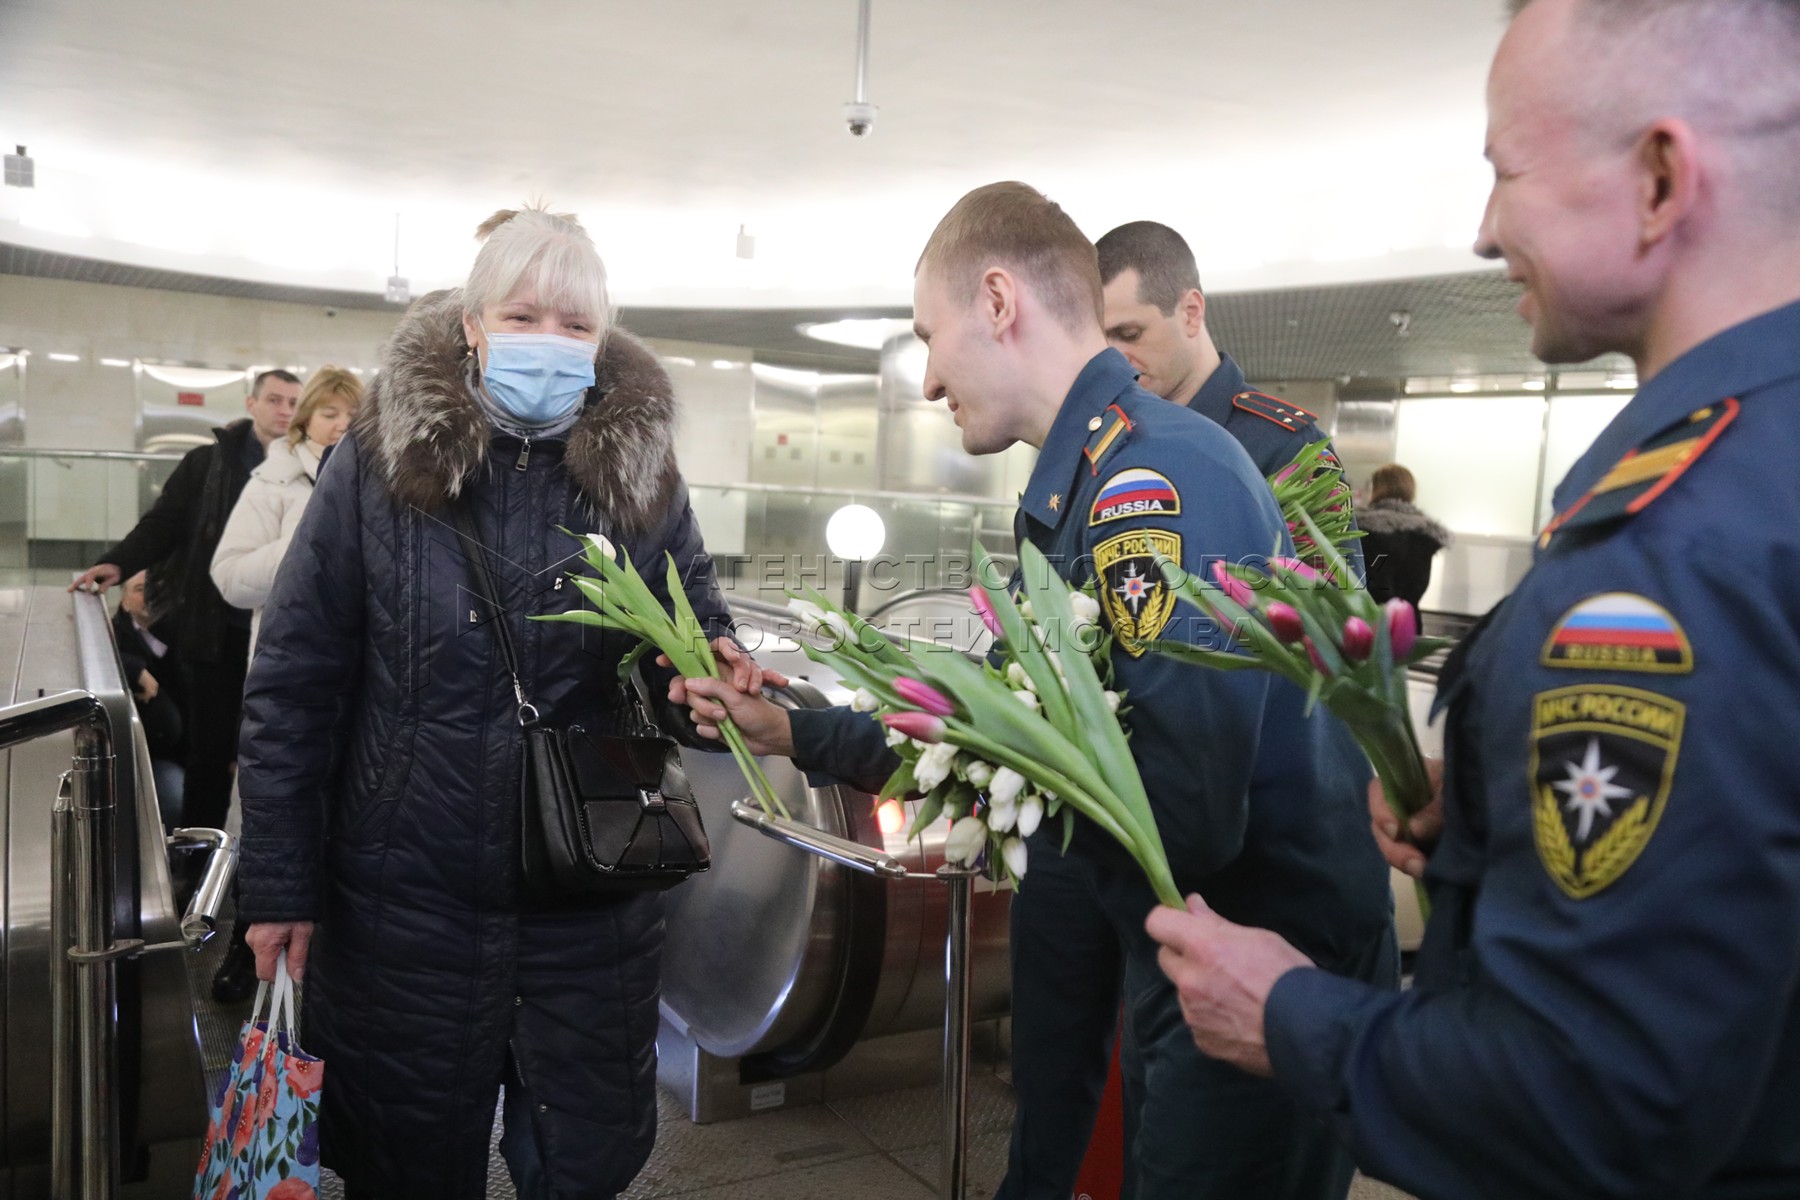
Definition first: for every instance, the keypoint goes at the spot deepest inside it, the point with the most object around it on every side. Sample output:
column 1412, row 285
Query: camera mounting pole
column 859, row 114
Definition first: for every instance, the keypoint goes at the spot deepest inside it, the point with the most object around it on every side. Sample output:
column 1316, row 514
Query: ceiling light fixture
column 65, row 357
column 115, row 362
column 864, row 333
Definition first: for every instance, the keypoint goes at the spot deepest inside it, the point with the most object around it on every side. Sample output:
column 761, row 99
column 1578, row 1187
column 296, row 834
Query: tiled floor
column 881, row 1147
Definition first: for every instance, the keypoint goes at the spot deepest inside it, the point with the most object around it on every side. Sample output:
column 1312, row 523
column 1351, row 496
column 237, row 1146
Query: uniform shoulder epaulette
column 1646, row 472
column 1270, row 408
column 1106, row 433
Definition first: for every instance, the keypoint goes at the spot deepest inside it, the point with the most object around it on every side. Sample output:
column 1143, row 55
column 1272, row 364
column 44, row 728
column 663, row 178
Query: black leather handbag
column 599, row 812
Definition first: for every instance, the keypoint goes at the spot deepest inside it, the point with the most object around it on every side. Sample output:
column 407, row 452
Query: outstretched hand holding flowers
column 997, row 747
column 624, row 602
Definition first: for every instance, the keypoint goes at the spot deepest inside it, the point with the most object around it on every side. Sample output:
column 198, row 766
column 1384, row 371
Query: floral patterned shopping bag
column 263, row 1143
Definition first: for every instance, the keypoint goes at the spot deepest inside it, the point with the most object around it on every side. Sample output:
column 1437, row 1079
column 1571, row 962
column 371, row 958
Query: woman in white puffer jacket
column 269, row 509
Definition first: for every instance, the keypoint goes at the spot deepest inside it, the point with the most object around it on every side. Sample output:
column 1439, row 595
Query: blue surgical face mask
column 539, row 378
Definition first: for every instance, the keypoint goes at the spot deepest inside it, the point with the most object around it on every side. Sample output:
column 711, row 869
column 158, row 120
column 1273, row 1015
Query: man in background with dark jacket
column 175, row 541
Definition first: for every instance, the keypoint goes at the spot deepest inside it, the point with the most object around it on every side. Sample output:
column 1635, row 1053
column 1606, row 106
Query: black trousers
column 215, row 706
column 1195, row 1129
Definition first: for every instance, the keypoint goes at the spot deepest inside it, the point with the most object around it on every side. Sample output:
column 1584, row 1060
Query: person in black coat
column 1399, row 540
column 382, row 753
column 175, row 540
column 152, row 668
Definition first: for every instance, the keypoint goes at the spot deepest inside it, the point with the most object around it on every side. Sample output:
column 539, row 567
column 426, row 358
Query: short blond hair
column 1638, row 61
column 1013, row 225
column 548, row 251
column 326, row 383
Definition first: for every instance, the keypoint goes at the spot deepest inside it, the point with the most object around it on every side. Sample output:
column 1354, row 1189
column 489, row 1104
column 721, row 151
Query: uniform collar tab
column 1220, row 389
column 1106, row 376
column 1747, row 356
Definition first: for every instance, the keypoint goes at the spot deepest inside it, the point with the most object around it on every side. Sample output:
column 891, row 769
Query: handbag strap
column 485, row 589
column 632, row 696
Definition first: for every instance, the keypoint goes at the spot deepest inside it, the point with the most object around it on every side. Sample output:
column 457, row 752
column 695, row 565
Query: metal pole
column 958, row 998
column 862, row 51
column 62, row 1039
column 95, row 974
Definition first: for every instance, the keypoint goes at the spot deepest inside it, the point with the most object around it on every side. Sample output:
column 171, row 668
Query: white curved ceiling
column 1294, row 141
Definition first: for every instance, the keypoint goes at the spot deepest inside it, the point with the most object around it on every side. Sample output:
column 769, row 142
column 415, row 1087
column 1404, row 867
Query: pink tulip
column 1359, row 639
column 1403, row 627
column 1233, row 587
column 922, row 727
column 1312, row 652
column 1285, row 622
column 985, row 608
column 923, row 695
column 1283, row 475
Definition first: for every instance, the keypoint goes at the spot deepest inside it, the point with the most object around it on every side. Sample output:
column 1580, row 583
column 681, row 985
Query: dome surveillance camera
column 859, row 117
column 331, row 312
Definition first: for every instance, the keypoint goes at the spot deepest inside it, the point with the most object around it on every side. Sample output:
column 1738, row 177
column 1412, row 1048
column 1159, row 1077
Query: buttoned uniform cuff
column 1313, row 1022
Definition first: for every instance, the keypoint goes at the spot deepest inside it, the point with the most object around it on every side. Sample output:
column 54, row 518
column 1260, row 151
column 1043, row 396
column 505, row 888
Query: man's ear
column 1193, row 313
column 1668, row 179
column 999, row 300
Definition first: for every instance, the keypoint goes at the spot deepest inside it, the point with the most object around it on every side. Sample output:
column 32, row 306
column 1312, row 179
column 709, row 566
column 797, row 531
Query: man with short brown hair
column 1006, row 300
column 1606, row 1002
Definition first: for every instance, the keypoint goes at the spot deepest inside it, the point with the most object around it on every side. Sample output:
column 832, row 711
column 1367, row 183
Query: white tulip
column 979, row 773
column 968, row 838
column 1006, row 786
column 1013, row 851
column 599, row 542
column 810, row 615
column 1028, row 699
column 1002, row 815
column 838, row 625
column 1017, row 677
column 1112, row 703
column 864, row 701
column 896, row 739
column 1031, row 815
column 934, row 765
column 1085, row 607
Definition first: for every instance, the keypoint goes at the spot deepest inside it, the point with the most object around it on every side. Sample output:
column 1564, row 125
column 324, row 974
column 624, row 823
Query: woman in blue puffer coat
column 381, row 755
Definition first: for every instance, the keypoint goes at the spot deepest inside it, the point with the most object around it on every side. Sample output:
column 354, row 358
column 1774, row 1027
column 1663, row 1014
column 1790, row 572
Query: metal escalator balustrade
column 97, row 1044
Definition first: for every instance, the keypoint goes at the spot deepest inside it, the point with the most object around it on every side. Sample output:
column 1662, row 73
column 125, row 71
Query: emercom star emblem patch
column 1137, row 601
column 1602, row 762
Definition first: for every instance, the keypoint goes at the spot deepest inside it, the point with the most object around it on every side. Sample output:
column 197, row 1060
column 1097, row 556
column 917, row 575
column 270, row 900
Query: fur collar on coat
column 1393, row 515
column 427, row 435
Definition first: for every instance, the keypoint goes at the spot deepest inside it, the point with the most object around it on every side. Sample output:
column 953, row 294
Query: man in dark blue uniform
column 1156, row 318
column 1007, row 300
column 1606, row 1000
column 1067, row 962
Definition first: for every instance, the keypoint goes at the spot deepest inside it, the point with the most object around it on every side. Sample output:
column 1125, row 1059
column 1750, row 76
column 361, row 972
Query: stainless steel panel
column 50, row 642
column 1365, row 434
column 757, row 946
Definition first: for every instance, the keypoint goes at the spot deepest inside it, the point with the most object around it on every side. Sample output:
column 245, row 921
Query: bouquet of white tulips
column 625, row 602
column 998, row 747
